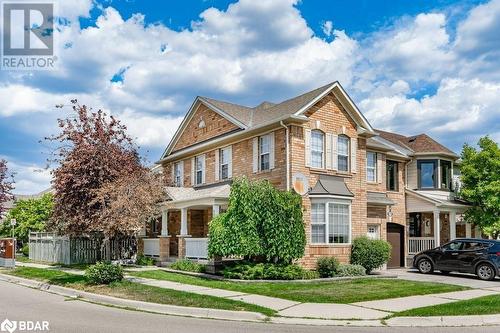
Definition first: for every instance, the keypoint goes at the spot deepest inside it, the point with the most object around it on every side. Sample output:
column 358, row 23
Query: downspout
column 287, row 149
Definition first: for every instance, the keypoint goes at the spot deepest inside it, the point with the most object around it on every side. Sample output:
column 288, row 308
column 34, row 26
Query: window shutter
column 203, row 172
column 181, row 167
column 271, row 150
column 307, row 140
column 328, row 155
column 380, row 168
column 216, row 165
column 230, row 162
column 335, row 160
column 354, row 150
column 193, row 173
column 256, row 154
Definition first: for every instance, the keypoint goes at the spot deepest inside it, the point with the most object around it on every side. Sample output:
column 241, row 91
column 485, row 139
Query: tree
column 480, row 177
column 129, row 201
column 5, row 186
column 261, row 223
column 31, row 215
column 93, row 151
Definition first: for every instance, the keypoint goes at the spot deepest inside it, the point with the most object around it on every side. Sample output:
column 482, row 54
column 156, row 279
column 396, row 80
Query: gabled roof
column 421, row 143
column 266, row 112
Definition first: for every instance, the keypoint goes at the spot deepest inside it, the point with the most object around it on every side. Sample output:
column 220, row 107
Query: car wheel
column 445, row 272
column 485, row 272
column 425, row 266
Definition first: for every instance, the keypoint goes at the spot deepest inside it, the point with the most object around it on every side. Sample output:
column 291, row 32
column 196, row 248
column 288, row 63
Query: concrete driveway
column 466, row 280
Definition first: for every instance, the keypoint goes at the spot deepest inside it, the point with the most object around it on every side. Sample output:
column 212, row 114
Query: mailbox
column 7, row 252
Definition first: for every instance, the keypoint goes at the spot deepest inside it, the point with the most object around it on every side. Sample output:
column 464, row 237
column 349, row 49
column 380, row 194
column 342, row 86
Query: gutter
column 287, row 149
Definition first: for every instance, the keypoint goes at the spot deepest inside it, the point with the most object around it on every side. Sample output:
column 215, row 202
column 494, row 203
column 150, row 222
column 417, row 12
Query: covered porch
column 182, row 231
column 435, row 219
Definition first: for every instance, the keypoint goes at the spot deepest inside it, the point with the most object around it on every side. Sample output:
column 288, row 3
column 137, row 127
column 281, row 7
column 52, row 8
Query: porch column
column 468, row 230
column 437, row 228
column 164, row 222
column 215, row 210
column 453, row 225
column 184, row 228
column 478, row 233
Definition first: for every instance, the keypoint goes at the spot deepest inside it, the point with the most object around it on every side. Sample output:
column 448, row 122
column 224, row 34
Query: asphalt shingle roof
column 421, row 143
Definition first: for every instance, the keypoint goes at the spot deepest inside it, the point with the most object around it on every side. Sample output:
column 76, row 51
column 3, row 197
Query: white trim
column 327, row 224
column 271, row 150
column 364, row 122
column 189, row 115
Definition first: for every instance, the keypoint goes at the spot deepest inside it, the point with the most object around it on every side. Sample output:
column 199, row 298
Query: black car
column 467, row 255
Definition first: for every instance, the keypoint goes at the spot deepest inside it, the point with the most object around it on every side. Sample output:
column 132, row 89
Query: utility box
column 8, row 252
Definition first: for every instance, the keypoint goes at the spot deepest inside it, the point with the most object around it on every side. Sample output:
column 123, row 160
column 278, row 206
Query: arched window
column 317, row 148
column 343, row 153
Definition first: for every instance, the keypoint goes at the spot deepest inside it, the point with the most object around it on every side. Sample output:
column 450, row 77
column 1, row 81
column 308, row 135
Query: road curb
column 438, row 321
column 137, row 305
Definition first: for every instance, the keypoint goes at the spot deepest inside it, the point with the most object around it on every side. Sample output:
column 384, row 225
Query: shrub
column 267, row 271
column 25, row 250
column 261, row 221
column 370, row 253
column 351, row 270
column 144, row 261
column 188, row 266
column 104, row 273
column 327, row 266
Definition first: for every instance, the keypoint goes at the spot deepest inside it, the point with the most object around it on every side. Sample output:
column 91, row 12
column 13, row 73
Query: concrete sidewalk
column 369, row 310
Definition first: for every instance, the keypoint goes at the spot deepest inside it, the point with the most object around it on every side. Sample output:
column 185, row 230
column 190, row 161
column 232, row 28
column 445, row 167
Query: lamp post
column 13, row 223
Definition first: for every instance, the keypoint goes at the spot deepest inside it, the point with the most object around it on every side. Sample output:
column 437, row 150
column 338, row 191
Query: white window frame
column 327, row 202
column 178, row 174
column 321, row 151
column 371, row 167
column 263, row 153
column 376, row 233
column 223, row 163
column 340, row 154
column 200, row 170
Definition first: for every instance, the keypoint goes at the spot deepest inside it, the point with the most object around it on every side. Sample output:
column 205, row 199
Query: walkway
column 359, row 311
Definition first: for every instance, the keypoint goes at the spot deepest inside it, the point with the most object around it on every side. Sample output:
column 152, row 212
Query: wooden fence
column 51, row 248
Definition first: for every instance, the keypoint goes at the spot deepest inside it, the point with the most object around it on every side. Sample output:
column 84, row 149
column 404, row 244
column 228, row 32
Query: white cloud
column 327, row 28
column 29, row 178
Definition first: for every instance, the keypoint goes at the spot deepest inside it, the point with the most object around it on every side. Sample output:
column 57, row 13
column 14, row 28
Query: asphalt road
column 22, row 303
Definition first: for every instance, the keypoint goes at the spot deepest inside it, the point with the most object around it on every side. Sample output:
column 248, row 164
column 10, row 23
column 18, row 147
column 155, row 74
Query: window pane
column 264, row 162
column 392, row 175
column 370, row 175
column 445, row 174
column 318, row 213
column 318, row 233
column 343, row 153
column 338, row 223
column 264, row 144
column 427, row 174
column 317, row 149
column 343, row 163
column 224, row 156
column 224, row 171
column 199, row 177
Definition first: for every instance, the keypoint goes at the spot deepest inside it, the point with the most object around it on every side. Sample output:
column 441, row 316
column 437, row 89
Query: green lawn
column 342, row 291
column 476, row 306
column 135, row 291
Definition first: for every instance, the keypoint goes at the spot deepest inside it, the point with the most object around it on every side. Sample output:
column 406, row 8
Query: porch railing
column 151, row 247
column 197, row 248
column 419, row 244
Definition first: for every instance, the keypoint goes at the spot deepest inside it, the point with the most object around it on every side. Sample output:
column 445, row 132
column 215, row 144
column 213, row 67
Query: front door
column 395, row 236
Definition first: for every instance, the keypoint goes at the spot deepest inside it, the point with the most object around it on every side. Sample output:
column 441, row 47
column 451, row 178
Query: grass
column 342, row 291
column 22, row 258
column 476, row 306
column 135, row 291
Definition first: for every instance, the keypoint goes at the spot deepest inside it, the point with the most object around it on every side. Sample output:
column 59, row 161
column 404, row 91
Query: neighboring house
column 356, row 180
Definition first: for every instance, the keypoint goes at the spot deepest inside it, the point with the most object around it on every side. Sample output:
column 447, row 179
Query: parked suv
column 467, row 255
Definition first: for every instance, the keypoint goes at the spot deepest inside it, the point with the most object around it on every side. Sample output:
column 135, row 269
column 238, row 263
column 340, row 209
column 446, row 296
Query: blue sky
column 410, row 66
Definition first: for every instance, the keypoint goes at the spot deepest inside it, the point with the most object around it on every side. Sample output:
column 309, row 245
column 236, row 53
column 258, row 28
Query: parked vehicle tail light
column 498, row 254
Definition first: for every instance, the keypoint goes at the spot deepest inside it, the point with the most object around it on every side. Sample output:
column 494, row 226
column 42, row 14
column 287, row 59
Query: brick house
column 355, row 180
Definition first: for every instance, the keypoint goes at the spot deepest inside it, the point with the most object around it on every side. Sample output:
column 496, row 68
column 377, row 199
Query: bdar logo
column 8, row 326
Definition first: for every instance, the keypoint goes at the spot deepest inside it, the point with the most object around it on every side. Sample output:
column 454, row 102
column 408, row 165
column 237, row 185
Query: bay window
column 427, row 174
column 330, row 223
column 445, row 174
column 317, row 148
